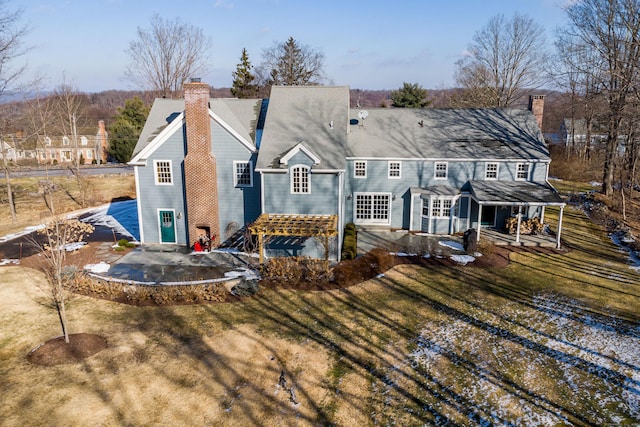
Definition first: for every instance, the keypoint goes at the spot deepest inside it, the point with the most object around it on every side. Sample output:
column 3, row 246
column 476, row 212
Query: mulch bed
column 57, row 352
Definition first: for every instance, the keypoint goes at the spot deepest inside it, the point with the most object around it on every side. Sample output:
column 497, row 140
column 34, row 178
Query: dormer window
column 65, row 140
column 47, row 140
column 84, row 140
column 522, row 173
column 440, row 170
column 300, row 180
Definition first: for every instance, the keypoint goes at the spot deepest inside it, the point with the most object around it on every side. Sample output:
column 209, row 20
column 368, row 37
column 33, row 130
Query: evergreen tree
column 243, row 79
column 292, row 64
column 410, row 95
column 126, row 128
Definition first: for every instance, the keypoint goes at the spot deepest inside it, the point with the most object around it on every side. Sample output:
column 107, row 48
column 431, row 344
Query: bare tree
column 576, row 68
column 611, row 30
column 54, row 241
column 164, row 56
column 69, row 111
column 506, row 59
column 291, row 64
column 12, row 35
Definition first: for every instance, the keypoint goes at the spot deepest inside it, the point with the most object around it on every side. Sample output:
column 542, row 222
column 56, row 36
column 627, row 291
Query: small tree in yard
column 53, row 242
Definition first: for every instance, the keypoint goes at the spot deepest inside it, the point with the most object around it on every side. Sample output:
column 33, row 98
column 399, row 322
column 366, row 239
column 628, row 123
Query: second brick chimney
column 200, row 176
column 536, row 106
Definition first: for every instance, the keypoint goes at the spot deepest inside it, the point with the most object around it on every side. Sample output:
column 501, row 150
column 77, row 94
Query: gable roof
column 237, row 116
column 430, row 133
column 317, row 115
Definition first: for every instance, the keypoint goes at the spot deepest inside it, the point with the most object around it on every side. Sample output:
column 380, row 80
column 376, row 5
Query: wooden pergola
column 294, row 225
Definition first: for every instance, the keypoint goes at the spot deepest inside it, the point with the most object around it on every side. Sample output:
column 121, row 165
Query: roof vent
column 196, row 80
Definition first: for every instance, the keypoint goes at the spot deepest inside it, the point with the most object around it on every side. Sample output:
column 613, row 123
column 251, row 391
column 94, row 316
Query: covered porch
column 520, row 197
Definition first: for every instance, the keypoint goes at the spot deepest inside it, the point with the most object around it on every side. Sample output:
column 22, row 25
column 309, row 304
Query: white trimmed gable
column 299, row 148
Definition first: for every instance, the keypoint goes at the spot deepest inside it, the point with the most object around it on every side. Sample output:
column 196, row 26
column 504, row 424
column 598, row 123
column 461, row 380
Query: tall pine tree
column 126, row 128
column 243, row 79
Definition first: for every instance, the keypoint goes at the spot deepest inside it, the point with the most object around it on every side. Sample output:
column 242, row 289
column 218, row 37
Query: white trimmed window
column 242, row 176
column 65, row 140
column 440, row 170
column 300, row 180
column 522, row 172
column 84, row 140
column 47, row 140
column 372, row 208
column 491, row 171
column 440, row 208
column 89, row 154
column 395, row 170
column 360, row 169
column 163, row 172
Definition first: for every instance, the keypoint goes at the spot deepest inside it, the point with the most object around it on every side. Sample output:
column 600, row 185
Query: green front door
column 167, row 227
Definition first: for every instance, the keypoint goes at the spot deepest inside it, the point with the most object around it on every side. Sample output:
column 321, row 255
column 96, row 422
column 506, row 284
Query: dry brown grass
column 31, row 207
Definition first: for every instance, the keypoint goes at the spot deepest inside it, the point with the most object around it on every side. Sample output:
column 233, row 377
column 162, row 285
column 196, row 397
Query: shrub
column 349, row 247
column 350, row 242
column 124, row 243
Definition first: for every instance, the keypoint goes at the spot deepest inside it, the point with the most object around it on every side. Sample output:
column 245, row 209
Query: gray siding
column 238, row 205
column 421, row 173
column 323, row 199
column 153, row 197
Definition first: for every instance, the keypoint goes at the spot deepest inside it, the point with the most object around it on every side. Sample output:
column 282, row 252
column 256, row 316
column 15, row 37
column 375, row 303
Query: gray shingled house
column 304, row 164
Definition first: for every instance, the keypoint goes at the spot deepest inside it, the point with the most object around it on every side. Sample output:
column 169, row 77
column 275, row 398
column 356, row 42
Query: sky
column 371, row 44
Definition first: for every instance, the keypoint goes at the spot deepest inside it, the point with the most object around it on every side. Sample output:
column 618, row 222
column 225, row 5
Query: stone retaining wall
column 137, row 293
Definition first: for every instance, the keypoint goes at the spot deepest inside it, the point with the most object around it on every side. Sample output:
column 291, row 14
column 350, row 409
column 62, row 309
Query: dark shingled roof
column 514, row 193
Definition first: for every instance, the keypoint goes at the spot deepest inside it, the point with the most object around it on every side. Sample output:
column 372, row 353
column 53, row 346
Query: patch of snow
column 462, row 259
column 70, row 247
column 27, row 230
column 243, row 272
column 426, row 256
column 634, row 257
column 477, row 254
column 7, row 261
column 101, row 267
column 403, row 254
column 591, row 356
column 380, row 276
column 595, row 184
column 451, row 245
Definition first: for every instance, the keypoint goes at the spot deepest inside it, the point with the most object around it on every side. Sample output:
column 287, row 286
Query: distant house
column 67, row 149
column 573, row 133
column 303, row 164
column 13, row 149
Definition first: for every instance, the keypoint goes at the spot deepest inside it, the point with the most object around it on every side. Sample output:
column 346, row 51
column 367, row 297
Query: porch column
column 559, row 228
column 479, row 220
column 430, row 214
column 519, row 223
column 542, row 216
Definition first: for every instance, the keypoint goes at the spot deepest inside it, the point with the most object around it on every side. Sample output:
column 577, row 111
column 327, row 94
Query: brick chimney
column 200, row 176
column 102, row 143
column 536, row 106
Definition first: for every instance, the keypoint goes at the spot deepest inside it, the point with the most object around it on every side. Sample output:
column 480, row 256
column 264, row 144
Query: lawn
column 551, row 339
column 31, row 207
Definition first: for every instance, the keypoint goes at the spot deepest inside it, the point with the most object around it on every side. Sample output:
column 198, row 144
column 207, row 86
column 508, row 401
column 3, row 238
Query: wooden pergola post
column 323, row 226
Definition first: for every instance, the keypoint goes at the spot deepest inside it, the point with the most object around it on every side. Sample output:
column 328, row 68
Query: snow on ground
column 451, row 245
column 122, row 217
column 7, row 261
column 27, row 230
column 70, row 247
column 462, row 259
column 101, row 267
column 569, row 351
